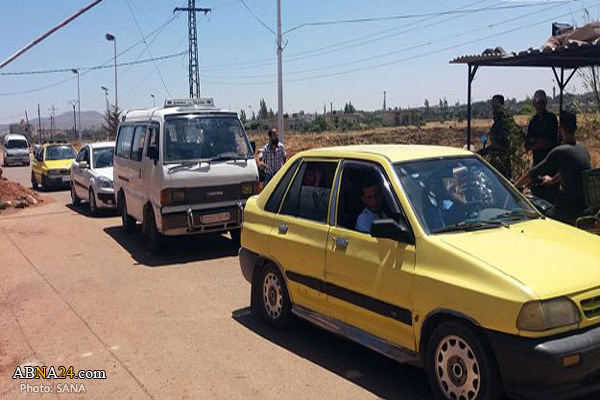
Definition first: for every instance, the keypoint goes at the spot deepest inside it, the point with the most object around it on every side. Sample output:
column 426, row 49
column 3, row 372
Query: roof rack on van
column 200, row 102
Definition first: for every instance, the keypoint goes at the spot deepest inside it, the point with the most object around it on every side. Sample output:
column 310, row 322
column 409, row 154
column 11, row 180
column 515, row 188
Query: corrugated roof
column 572, row 55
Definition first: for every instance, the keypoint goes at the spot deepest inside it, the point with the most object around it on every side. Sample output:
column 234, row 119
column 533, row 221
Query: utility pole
column 194, row 69
column 72, row 103
column 76, row 71
column 39, row 125
column 280, row 126
column 52, row 122
column 384, row 101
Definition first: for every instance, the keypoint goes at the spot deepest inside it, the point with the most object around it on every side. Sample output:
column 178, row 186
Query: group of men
column 558, row 160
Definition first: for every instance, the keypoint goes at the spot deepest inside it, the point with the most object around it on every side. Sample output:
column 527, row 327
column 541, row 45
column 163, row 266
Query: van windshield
column 17, row 144
column 194, row 137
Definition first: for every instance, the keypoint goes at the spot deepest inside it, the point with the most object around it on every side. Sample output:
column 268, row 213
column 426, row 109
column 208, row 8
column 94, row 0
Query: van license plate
column 214, row 218
column 66, row 178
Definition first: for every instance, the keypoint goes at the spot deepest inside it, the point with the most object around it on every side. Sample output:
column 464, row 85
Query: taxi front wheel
column 460, row 364
column 273, row 297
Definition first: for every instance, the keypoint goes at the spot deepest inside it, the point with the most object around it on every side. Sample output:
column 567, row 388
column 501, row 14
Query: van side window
column 308, row 197
column 153, row 137
column 138, row 143
column 123, row 148
column 277, row 195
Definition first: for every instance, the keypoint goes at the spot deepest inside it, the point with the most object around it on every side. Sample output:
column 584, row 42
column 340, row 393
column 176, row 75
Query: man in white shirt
column 373, row 202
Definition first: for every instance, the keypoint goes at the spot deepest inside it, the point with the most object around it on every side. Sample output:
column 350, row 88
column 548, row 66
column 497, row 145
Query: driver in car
column 373, row 211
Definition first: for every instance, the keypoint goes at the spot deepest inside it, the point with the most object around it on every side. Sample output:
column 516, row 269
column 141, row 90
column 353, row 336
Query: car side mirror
column 540, row 204
column 153, row 153
column 253, row 146
column 390, row 229
column 83, row 165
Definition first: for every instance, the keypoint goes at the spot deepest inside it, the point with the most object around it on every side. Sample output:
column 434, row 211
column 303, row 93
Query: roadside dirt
column 14, row 196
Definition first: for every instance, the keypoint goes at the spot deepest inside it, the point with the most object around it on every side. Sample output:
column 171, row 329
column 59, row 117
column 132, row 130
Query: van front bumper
column 535, row 368
column 20, row 159
column 193, row 222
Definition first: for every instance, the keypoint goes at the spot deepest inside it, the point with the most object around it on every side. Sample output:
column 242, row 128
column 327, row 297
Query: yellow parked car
column 428, row 256
column 51, row 166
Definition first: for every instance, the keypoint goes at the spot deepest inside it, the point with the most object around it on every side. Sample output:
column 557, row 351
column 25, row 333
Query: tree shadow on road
column 373, row 372
column 179, row 250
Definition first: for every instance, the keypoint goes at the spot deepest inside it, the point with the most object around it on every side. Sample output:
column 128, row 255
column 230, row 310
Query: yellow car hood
column 551, row 258
column 60, row 164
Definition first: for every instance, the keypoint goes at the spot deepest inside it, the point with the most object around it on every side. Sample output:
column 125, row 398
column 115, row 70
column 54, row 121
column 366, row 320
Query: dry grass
column 451, row 133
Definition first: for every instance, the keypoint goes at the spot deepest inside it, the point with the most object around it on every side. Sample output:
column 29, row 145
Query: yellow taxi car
column 428, row 256
column 51, row 166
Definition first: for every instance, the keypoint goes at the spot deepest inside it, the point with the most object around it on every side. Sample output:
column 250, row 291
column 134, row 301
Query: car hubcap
column 457, row 369
column 272, row 296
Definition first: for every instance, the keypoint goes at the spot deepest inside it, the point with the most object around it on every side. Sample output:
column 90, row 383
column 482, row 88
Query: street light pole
column 76, row 71
column 106, row 97
column 153, row 101
column 72, row 103
column 112, row 38
column 280, row 125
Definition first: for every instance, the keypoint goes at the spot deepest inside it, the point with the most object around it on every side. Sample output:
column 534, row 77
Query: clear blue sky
column 336, row 63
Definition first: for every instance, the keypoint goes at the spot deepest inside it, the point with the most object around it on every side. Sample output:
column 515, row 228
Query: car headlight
column 249, row 188
column 104, row 182
column 538, row 316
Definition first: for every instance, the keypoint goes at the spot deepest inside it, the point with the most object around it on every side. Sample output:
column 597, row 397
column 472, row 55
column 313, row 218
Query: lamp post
column 106, row 97
column 76, row 71
column 153, row 101
column 72, row 103
column 112, row 38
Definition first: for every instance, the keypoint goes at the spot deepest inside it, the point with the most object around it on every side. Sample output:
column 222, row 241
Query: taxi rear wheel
column 273, row 297
column 460, row 364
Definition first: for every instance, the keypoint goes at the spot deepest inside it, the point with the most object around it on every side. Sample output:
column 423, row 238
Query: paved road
column 76, row 291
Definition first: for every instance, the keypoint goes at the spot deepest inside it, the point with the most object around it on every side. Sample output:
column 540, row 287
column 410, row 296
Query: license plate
column 66, row 178
column 214, row 218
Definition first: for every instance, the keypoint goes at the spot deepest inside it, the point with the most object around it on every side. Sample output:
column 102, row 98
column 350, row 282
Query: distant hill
column 89, row 119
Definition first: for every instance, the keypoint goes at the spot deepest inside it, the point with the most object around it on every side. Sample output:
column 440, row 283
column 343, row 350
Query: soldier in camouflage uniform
column 506, row 152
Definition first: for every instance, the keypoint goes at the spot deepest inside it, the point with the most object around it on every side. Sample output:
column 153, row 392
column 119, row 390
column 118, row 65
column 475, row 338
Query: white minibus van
column 184, row 169
column 16, row 150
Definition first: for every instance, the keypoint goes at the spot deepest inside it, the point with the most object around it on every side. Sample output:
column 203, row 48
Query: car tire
column 92, row 202
column 75, row 200
column 461, row 365
column 44, row 183
column 127, row 221
column 34, row 183
column 154, row 238
column 236, row 237
column 274, row 300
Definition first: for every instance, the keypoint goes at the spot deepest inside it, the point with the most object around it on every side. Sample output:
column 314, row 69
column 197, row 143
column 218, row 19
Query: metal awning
column 567, row 57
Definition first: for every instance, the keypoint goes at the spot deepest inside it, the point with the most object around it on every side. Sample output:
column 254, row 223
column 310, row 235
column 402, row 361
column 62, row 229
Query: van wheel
column 127, row 221
column 460, row 365
column 154, row 238
column 92, row 202
column 34, row 183
column 236, row 237
column 274, row 298
column 74, row 199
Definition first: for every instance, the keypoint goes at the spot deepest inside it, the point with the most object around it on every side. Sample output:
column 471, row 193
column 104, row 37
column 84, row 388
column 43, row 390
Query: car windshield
column 17, row 144
column 103, row 157
column 59, row 153
column 456, row 194
column 196, row 137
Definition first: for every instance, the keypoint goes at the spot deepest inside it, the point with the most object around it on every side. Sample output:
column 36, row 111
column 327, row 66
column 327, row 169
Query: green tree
column 349, row 108
column 243, row 116
column 111, row 122
column 263, row 112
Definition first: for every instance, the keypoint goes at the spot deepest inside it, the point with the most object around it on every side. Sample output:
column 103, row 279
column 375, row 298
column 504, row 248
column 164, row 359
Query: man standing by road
column 541, row 138
column 570, row 159
column 506, row 151
column 271, row 157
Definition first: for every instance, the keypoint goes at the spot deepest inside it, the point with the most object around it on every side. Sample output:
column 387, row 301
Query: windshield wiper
column 466, row 226
column 227, row 157
column 518, row 215
column 186, row 165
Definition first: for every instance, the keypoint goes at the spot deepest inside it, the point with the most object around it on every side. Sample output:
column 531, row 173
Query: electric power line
column 257, row 17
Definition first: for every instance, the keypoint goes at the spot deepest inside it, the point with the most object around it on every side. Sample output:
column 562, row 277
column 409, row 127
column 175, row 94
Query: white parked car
column 184, row 169
column 92, row 176
column 16, row 150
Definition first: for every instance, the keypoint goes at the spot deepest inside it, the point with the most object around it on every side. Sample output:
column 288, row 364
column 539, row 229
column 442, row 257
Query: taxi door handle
column 283, row 228
column 341, row 242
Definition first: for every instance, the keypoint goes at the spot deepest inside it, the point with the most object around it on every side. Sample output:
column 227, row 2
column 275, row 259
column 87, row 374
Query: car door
column 369, row 280
column 135, row 180
column 151, row 168
column 36, row 167
column 77, row 171
column 123, row 165
column 299, row 233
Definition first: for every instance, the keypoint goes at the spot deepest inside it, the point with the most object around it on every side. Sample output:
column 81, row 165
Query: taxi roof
column 393, row 152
